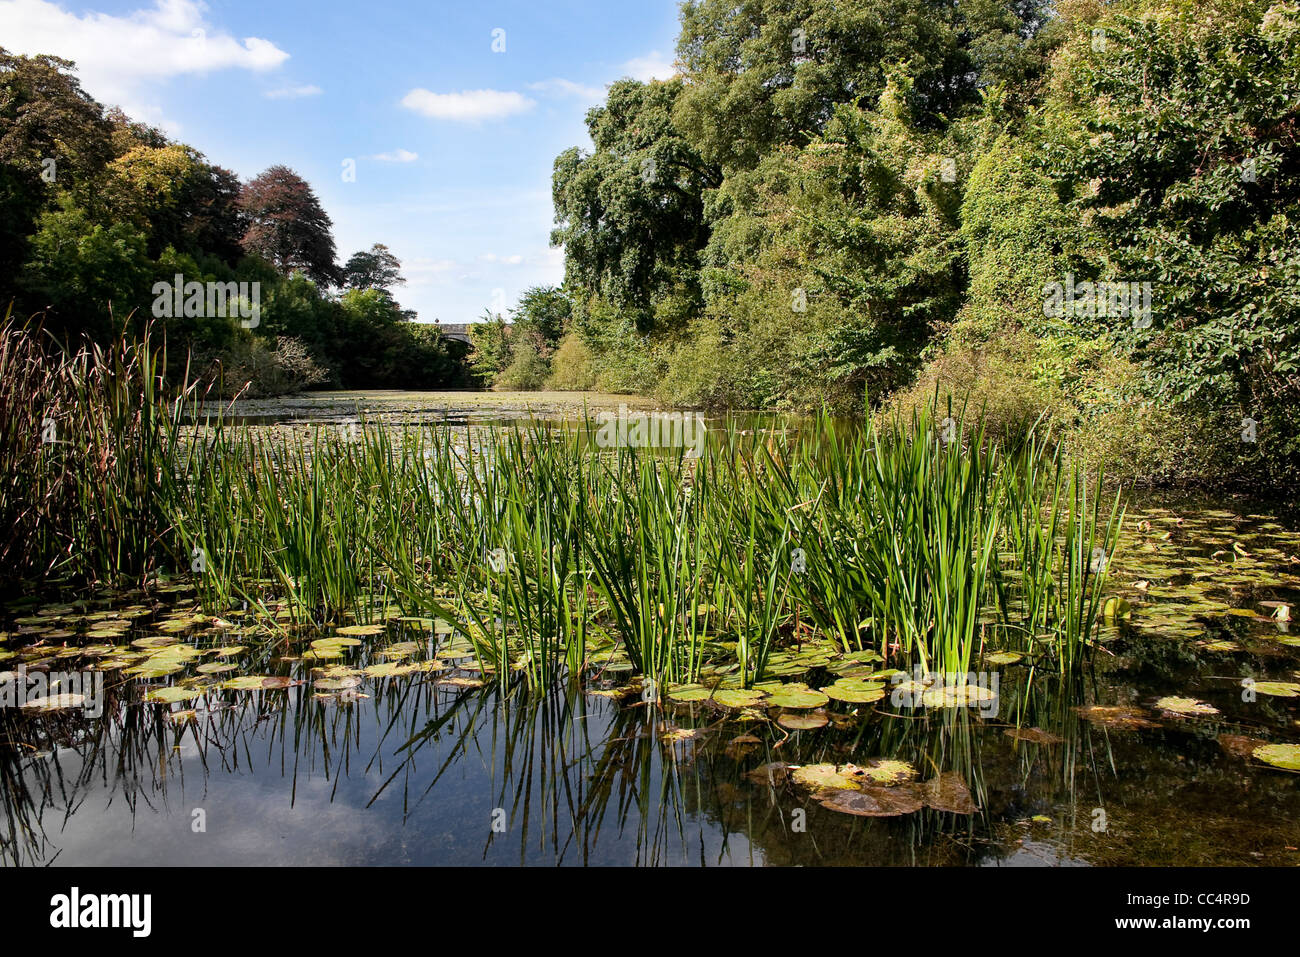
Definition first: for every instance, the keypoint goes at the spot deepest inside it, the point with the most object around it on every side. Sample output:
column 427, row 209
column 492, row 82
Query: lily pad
column 245, row 683
column 738, row 697
column 852, row 696
column 826, row 777
column 948, row 792
column 337, row 684
column 886, row 771
column 56, row 702
column 172, row 695
column 1277, row 689
column 795, row 696
column 1185, row 707
column 802, row 722
column 687, row 692
column 873, row 802
column 1286, row 756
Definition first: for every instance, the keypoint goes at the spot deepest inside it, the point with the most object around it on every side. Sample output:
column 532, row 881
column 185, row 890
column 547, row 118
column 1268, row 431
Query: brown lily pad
column 1240, row 745
column 948, row 792
column 873, row 802
column 1121, row 717
column 1032, row 735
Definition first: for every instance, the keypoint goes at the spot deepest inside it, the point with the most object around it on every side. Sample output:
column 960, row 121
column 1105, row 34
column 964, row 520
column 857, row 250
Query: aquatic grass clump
column 919, row 539
column 89, row 441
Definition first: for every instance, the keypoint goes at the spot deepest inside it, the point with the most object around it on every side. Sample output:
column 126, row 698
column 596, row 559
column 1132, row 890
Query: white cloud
column 653, row 66
column 397, row 156
column 562, row 87
column 119, row 57
column 467, row 105
column 293, row 92
column 514, row 260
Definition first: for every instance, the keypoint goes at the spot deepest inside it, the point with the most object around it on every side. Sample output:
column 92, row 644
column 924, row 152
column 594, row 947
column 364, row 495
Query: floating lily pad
column 738, row 697
column 1286, row 756
column 1277, row 689
column 390, row 669
column 948, row 792
column 850, row 695
column 1186, row 707
column 347, row 630
column 886, row 771
column 1116, row 716
column 819, row 777
column 215, row 668
column 245, row 683
column 337, row 684
column 172, row 695
column 795, row 696
column 55, row 702
column 688, row 692
column 1004, row 658
column 802, row 722
column 873, row 802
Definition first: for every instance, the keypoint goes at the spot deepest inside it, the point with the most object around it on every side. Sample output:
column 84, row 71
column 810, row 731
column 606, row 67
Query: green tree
column 374, row 268
column 631, row 213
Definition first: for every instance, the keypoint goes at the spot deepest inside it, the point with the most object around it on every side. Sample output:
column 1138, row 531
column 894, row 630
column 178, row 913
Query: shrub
column 527, row 370
column 571, row 366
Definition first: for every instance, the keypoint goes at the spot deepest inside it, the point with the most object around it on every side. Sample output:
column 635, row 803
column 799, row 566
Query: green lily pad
column 1004, row 658
column 863, row 697
column 56, row 702
column 172, row 695
column 1186, row 707
column 738, row 697
column 827, row 777
column 795, row 696
column 688, row 692
column 245, row 683
column 1277, row 689
column 1285, row 756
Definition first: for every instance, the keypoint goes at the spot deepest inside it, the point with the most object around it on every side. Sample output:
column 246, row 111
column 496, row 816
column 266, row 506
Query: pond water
column 406, row 753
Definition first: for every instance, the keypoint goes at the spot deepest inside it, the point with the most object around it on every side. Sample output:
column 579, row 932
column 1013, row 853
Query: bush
column 526, row 372
column 258, row 369
column 571, row 366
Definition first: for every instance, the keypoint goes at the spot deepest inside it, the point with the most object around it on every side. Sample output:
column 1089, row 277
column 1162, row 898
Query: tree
column 53, row 137
column 1178, row 144
column 541, row 317
column 631, row 213
column 287, row 226
column 376, row 268
column 490, row 350
column 765, row 73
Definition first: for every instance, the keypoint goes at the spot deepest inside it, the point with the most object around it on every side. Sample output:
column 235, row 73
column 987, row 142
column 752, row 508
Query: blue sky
column 452, row 141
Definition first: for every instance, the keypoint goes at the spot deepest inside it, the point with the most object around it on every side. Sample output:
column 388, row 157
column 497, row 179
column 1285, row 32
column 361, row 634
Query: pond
column 390, row 743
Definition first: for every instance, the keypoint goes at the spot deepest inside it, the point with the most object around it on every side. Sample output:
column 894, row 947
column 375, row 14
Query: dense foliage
column 96, row 211
column 839, row 202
